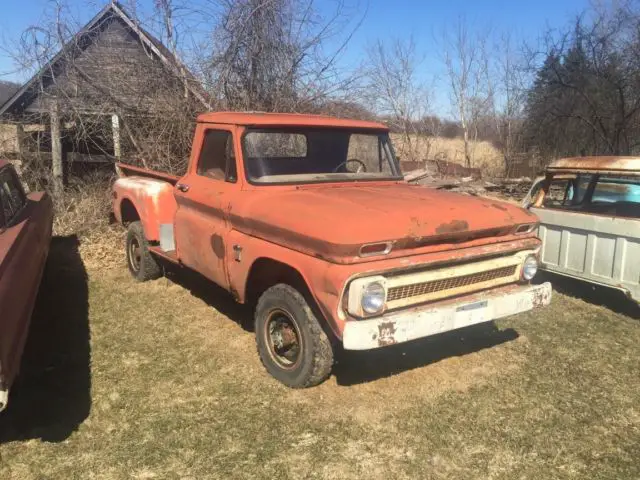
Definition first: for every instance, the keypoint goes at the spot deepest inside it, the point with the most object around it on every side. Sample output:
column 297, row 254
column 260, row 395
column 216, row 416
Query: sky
column 425, row 20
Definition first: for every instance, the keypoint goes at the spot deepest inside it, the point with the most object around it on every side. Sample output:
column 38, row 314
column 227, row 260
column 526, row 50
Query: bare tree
column 395, row 91
column 273, row 55
column 466, row 66
column 585, row 98
column 506, row 82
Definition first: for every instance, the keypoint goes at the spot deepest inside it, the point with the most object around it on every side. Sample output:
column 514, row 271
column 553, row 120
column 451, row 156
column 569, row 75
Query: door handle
column 183, row 187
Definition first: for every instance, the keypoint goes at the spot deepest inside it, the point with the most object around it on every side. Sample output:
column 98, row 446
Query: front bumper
column 431, row 319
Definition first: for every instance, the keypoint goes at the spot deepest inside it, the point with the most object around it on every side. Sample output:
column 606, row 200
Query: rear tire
column 291, row 343
column 141, row 262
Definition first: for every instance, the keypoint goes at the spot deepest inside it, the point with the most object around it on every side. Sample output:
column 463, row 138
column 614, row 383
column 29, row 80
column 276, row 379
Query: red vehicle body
column 25, row 234
column 307, row 219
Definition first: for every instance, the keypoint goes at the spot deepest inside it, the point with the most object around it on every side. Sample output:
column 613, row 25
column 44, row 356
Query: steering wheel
column 361, row 167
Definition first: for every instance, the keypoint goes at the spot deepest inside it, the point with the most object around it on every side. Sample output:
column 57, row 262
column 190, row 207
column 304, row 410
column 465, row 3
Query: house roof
column 593, row 164
column 286, row 119
column 113, row 9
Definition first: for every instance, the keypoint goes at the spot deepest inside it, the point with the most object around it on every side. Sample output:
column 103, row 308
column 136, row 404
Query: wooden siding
column 113, row 72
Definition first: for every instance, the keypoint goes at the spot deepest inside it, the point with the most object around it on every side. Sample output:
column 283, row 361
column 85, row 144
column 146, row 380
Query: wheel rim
column 283, row 339
column 135, row 254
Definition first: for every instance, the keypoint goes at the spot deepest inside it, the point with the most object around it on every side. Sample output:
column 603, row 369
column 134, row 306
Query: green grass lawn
column 161, row 380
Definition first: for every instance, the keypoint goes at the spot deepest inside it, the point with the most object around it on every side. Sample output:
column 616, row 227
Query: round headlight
column 373, row 298
column 529, row 267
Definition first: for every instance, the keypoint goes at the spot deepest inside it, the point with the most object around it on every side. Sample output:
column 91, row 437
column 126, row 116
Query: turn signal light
column 370, row 249
column 525, row 228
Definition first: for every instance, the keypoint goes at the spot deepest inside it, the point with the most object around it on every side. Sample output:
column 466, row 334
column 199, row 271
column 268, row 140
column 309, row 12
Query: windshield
column 303, row 155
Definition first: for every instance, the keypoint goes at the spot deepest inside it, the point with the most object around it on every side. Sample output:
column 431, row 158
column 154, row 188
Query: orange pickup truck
column 25, row 233
column 308, row 220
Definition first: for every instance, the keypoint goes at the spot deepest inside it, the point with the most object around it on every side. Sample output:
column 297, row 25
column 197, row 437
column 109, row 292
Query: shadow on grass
column 355, row 367
column 52, row 394
column 210, row 293
column 610, row 298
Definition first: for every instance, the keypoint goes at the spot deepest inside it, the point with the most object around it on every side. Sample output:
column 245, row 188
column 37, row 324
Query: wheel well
column 128, row 212
column 266, row 272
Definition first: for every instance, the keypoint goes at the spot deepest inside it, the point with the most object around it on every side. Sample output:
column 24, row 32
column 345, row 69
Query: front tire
column 142, row 264
column 291, row 343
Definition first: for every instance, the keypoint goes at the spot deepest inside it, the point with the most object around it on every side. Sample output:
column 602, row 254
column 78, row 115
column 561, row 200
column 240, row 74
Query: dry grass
column 85, row 206
column 484, row 155
column 84, row 211
column 159, row 380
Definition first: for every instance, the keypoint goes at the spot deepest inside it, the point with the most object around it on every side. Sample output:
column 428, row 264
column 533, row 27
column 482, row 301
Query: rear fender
column 153, row 200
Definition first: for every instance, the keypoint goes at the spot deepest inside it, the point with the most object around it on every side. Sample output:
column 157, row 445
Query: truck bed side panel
column 597, row 248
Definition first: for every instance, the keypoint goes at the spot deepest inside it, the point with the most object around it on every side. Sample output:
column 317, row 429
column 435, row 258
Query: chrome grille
column 418, row 289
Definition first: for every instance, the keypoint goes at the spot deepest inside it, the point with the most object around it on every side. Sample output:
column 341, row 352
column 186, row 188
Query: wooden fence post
column 56, row 150
column 115, row 126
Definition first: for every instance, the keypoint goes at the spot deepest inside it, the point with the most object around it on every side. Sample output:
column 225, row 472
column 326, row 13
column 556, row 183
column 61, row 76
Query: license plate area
column 472, row 306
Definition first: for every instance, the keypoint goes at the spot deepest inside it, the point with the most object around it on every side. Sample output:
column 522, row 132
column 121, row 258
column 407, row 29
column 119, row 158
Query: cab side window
column 12, row 197
column 217, row 159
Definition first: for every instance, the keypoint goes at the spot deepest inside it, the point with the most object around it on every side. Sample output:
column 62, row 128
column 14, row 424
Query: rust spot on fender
column 453, row 226
column 217, row 244
column 386, row 334
column 540, row 298
column 415, row 227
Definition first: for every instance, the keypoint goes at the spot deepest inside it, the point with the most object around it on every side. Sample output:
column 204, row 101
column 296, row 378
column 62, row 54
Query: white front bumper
column 431, row 319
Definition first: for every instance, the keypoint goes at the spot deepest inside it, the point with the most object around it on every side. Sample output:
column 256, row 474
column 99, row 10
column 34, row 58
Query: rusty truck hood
column 334, row 222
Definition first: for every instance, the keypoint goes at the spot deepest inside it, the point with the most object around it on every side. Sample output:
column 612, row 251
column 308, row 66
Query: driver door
column 204, row 202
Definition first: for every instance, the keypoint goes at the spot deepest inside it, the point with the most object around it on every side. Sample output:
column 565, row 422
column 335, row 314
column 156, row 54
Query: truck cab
column 308, row 220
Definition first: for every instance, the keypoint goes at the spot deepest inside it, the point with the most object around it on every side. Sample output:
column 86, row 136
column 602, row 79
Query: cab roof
column 595, row 164
column 286, row 119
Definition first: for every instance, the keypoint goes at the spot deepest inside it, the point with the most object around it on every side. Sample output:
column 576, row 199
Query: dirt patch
column 374, row 402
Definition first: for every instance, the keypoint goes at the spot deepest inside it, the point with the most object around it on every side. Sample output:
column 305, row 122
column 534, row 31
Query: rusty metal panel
column 152, row 198
column 286, row 119
column 352, row 216
column 601, row 164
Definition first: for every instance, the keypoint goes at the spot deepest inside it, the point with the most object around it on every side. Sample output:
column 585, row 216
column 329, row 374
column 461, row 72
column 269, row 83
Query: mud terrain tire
column 283, row 313
column 141, row 262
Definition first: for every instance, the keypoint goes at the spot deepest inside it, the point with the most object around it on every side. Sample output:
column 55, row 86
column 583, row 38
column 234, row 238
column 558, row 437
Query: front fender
column 312, row 270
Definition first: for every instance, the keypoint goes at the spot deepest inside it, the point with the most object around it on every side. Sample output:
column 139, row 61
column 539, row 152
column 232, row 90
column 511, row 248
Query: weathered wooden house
column 113, row 90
